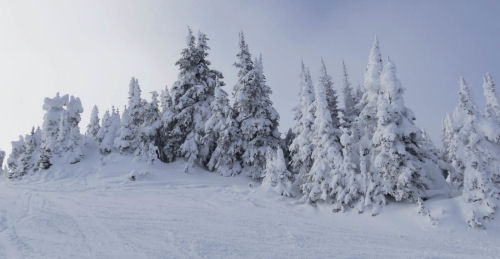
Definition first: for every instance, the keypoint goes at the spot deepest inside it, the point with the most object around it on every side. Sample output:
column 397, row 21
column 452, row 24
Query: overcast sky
column 91, row 49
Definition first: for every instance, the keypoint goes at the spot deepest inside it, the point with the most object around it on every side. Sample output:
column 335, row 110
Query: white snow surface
column 92, row 210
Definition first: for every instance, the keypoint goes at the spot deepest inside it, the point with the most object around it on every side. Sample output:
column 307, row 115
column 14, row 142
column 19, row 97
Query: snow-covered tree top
column 492, row 101
column 465, row 102
column 374, row 67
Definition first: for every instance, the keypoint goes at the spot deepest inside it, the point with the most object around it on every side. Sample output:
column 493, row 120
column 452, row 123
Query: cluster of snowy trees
column 471, row 144
column 366, row 152
column 59, row 140
column 359, row 148
column 193, row 120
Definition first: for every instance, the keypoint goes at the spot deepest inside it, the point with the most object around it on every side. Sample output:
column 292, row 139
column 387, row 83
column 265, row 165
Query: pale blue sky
column 92, row 48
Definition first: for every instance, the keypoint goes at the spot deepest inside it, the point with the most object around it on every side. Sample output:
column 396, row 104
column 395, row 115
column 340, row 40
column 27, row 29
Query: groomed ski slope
column 92, row 210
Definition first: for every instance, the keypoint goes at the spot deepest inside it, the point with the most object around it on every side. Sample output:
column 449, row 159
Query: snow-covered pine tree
column 352, row 193
column 276, row 175
column 166, row 147
column 127, row 135
column 398, row 157
column 331, row 95
column 477, row 158
column 219, row 112
column 491, row 122
column 54, row 109
column 323, row 180
column 32, row 143
column 94, row 126
column 446, row 135
column 286, row 143
column 191, row 94
column 14, row 162
column 349, row 106
column 132, row 120
column 366, row 121
column 371, row 86
column 253, row 110
column 149, row 130
column 222, row 128
column 165, row 101
column 301, row 147
column 108, row 133
column 492, row 100
column 73, row 142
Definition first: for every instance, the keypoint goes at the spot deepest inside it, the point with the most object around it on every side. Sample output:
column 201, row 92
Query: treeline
column 357, row 149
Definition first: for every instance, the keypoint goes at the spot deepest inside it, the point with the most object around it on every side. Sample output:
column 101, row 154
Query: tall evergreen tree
column 301, row 147
column 127, row 138
column 132, row 120
column 326, row 81
column 191, row 95
column 54, row 111
column 398, row 157
column 349, row 110
column 166, row 147
column 492, row 99
column 366, row 122
column 148, row 130
column 70, row 141
column 277, row 177
column 323, row 180
column 109, row 131
column 478, row 161
column 93, row 126
column 14, row 162
column 222, row 132
column 254, row 112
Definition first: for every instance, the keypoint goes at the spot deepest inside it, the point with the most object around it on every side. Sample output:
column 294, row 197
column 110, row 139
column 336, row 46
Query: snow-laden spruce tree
column 69, row 137
column 398, row 157
column 286, row 143
column 191, row 94
column 109, row 132
column 32, row 143
column 276, row 175
column 451, row 125
column 25, row 154
column 323, row 182
column 254, row 112
column 491, row 124
column 446, row 136
column 127, row 134
column 166, row 147
column 366, row 121
column 352, row 193
column 54, row 111
column 94, row 126
column 222, row 133
column 349, row 99
column 492, row 100
column 14, row 162
column 149, row 130
column 219, row 112
column 477, row 158
column 331, row 95
column 301, row 147
column 368, row 104
column 132, row 120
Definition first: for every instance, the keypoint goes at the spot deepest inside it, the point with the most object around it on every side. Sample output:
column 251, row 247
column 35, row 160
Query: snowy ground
column 99, row 213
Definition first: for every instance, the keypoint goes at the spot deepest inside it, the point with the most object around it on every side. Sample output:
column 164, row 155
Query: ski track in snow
column 168, row 214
